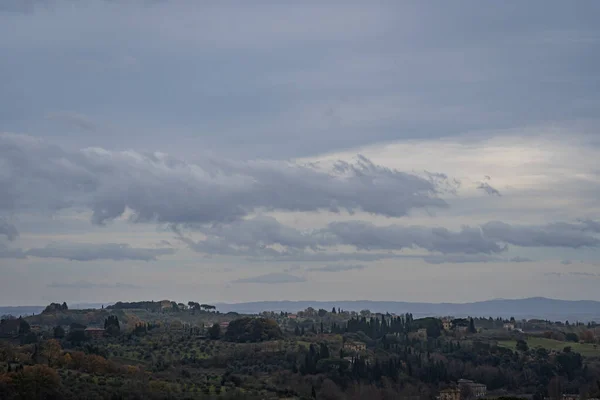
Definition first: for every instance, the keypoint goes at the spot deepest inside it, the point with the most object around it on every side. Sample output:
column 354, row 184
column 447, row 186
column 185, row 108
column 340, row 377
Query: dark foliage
column 252, row 330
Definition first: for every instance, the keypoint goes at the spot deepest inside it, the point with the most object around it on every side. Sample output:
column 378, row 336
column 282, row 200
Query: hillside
column 534, row 307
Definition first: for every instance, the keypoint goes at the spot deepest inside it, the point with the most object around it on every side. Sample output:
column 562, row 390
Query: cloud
column 91, row 252
column 566, row 262
column 460, row 258
column 471, row 258
column 157, row 187
column 21, row 6
column 8, row 252
column 251, row 237
column 320, row 257
column 73, row 119
column 266, row 238
column 486, row 187
column 573, row 273
column 338, row 268
column 519, row 259
column 569, row 235
column 92, row 285
column 368, row 236
column 8, row 230
column 272, row 278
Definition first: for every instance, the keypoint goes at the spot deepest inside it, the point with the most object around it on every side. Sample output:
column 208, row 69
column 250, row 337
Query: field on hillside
column 587, row 350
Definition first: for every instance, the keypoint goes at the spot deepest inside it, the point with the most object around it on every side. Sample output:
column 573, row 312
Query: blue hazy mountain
column 535, row 307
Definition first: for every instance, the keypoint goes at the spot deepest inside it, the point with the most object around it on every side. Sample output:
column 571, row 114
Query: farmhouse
column 356, row 347
column 94, row 333
column 509, row 327
column 447, row 324
column 449, row 394
column 478, row 390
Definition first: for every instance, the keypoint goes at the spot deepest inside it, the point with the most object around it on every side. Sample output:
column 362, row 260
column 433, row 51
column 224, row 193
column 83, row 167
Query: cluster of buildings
column 355, row 347
column 464, row 388
column 451, row 325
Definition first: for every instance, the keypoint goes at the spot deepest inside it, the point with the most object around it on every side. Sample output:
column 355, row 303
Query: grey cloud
column 504, row 66
column 8, row 252
column 264, row 238
column 472, row 258
column 320, row 257
column 558, row 274
column 258, row 236
column 588, row 225
column 156, row 187
column 367, row 236
column 92, row 285
column 90, row 252
column 338, row 268
column 460, row 258
column 583, row 274
column 22, row 6
column 8, row 230
column 571, row 235
column 491, row 238
column 272, row 278
column 519, row 259
column 573, row 273
column 486, row 187
column 566, row 262
column 253, row 234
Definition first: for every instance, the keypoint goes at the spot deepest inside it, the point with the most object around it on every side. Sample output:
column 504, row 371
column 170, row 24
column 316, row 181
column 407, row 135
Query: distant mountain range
column 534, row 307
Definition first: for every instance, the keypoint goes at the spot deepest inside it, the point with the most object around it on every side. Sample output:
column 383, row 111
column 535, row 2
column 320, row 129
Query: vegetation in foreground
column 167, row 350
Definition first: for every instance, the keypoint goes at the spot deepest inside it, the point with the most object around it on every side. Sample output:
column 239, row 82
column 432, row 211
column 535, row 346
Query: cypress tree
column 472, row 326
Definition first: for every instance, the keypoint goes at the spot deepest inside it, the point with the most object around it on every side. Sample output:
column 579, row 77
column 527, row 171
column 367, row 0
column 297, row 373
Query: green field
column 585, row 349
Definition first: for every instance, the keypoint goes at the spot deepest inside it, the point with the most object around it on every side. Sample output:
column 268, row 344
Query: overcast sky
column 326, row 150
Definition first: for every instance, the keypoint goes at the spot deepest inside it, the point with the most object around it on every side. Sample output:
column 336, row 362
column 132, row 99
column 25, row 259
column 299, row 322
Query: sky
column 319, row 150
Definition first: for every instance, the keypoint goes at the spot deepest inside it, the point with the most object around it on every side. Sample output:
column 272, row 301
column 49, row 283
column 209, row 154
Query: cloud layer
column 8, row 230
column 265, row 237
column 40, row 177
column 91, row 252
column 338, row 268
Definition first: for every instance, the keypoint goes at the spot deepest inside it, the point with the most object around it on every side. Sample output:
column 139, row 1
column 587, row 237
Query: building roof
column 449, row 390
